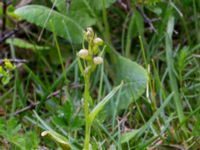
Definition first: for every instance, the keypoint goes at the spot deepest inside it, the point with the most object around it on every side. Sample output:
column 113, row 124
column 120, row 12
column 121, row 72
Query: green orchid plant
column 91, row 57
column 88, row 59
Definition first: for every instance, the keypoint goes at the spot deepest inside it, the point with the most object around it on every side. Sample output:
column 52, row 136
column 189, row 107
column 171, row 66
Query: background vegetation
column 151, row 45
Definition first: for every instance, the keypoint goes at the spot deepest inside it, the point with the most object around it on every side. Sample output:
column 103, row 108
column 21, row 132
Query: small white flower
column 83, row 53
column 98, row 60
column 98, row 41
column 89, row 29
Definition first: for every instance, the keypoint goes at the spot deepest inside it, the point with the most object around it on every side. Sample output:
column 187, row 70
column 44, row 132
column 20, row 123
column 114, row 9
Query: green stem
column 106, row 24
column 86, row 109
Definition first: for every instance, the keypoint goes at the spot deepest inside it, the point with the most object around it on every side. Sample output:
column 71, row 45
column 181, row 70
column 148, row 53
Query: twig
column 146, row 19
column 8, row 35
column 14, row 61
column 4, row 17
column 54, row 94
column 33, row 105
column 123, row 5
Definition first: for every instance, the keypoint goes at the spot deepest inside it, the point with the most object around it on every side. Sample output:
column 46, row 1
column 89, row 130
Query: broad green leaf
column 134, row 76
column 61, row 140
column 102, row 103
column 80, row 11
column 61, row 5
column 24, row 44
column 49, row 19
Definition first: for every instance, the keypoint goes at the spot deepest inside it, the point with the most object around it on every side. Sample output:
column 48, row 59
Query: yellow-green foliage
column 5, row 71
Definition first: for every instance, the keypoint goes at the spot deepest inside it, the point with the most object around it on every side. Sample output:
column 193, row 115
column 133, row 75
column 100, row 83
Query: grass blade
column 171, row 70
column 137, row 133
column 101, row 104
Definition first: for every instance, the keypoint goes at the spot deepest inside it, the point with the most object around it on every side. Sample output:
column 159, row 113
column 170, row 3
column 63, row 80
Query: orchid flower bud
column 98, row 41
column 83, row 53
column 89, row 34
column 98, row 60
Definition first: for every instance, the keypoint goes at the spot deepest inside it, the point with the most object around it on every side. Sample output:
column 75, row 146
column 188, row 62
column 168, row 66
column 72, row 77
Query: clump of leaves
column 10, row 131
column 6, row 71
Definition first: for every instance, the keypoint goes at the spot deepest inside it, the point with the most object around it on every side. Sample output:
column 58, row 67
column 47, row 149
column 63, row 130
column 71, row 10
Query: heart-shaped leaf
column 134, row 76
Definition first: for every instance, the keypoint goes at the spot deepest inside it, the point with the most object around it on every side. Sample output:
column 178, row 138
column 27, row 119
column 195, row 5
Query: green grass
column 48, row 90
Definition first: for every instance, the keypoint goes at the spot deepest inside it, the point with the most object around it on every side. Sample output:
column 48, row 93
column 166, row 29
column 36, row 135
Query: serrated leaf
column 103, row 102
column 61, row 140
column 49, row 19
column 134, row 76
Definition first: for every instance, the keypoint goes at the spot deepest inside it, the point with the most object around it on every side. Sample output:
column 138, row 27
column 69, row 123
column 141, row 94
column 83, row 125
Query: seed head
column 83, row 53
column 98, row 60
